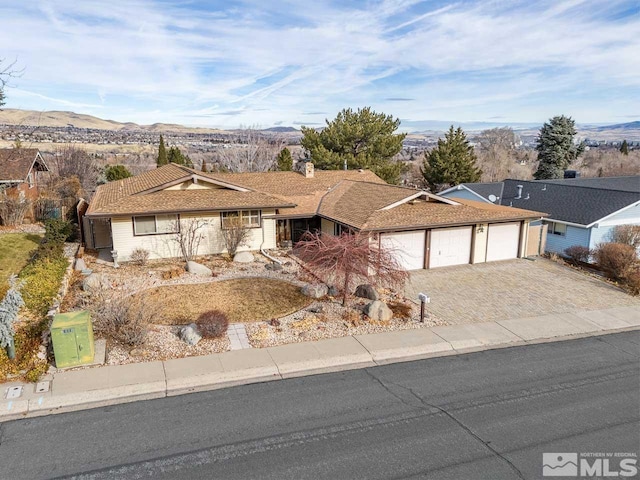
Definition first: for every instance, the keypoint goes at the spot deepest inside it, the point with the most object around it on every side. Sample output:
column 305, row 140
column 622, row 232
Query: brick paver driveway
column 511, row 289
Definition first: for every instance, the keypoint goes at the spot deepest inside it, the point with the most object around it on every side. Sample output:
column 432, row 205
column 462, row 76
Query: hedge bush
column 578, row 253
column 616, row 259
column 42, row 280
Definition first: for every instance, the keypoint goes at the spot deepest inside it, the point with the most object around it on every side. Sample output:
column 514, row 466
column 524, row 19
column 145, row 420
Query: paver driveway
column 512, row 289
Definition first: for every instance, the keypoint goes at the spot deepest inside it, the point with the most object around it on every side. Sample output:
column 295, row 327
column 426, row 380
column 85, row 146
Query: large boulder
column 190, row 334
column 198, row 269
column 367, row 291
column 333, row 291
column 378, row 310
column 80, row 265
column 243, row 257
column 95, row 281
column 315, row 290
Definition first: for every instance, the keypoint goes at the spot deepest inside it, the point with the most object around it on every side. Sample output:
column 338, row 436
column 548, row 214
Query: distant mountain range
column 630, row 130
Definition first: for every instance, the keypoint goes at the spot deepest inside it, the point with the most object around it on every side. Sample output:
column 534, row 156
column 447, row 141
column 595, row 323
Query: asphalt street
column 487, row 415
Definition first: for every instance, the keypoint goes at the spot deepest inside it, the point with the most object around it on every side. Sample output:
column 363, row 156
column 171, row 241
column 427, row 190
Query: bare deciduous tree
column 498, row 156
column 188, row 236
column 626, row 234
column 350, row 258
column 72, row 161
column 13, row 207
column 251, row 151
column 234, row 234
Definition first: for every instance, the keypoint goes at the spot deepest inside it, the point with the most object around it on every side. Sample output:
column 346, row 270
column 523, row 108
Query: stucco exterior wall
column 165, row 246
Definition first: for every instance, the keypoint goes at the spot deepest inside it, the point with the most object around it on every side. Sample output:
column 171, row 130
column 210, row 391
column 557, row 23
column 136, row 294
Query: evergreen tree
column 360, row 139
column 116, row 172
column 203, row 167
column 176, row 156
column 162, row 153
column 624, row 148
column 285, row 160
column 556, row 149
column 452, row 162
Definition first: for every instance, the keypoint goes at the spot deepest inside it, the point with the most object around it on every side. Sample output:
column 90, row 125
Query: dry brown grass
column 242, row 300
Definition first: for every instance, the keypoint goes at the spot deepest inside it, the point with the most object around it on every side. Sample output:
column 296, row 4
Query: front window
column 155, row 224
column 559, row 229
column 247, row 218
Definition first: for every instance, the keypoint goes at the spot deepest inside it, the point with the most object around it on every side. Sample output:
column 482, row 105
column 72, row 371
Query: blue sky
column 259, row 63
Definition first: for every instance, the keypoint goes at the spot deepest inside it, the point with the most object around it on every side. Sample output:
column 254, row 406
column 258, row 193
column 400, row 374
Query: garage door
column 502, row 241
column 450, row 246
column 408, row 248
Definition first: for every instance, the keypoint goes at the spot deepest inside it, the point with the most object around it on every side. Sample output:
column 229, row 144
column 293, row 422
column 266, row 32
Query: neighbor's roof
column 15, row 163
column 583, row 201
column 362, row 206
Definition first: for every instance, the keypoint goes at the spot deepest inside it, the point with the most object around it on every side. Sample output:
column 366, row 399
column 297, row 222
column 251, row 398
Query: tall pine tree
column 452, row 162
column 162, row 154
column 177, row 157
column 556, row 148
column 624, row 148
column 360, row 139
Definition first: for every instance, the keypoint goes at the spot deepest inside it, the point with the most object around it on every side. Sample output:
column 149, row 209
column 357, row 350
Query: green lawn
column 15, row 251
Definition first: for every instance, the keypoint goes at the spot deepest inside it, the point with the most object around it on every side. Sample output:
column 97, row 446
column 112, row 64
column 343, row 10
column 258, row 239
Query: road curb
column 260, row 368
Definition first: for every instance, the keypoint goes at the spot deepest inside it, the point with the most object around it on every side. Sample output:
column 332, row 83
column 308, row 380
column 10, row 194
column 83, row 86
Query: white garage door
column 502, row 241
column 408, row 248
column 450, row 246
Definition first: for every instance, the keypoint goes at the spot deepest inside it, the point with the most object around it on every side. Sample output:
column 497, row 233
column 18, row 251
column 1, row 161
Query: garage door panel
column 503, row 240
column 450, row 246
column 407, row 247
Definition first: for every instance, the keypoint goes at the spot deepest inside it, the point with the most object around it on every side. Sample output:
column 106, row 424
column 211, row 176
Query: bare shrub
column 13, row 208
column 616, row 259
column 235, row 234
column 632, row 281
column 350, row 258
column 626, row 234
column 188, row 237
column 140, row 256
column 212, row 324
column 578, row 253
column 352, row 317
column 124, row 318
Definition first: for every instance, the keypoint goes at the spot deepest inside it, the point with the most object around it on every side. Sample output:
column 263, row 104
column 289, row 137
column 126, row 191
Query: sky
column 289, row 63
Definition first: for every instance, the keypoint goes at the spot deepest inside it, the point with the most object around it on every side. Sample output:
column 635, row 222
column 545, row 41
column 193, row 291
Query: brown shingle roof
column 421, row 213
column 291, row 190
column 204, row 200
column 352, row 203
column 15, row 163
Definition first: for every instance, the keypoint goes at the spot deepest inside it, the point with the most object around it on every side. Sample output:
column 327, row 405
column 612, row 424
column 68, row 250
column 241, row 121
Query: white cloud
column 267, row 63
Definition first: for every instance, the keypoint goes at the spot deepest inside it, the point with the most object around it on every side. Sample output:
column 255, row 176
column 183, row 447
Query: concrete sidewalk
column 94, row 387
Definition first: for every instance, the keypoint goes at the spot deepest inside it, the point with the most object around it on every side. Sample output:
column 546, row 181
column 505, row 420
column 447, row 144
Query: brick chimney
column 308, row 170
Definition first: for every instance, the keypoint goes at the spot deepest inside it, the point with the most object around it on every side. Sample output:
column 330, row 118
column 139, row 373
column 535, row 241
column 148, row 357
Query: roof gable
column 17, row 163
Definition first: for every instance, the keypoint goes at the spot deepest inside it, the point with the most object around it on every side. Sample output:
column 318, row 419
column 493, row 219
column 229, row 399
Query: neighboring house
column 426, row 231
column 20, row 173
column 582, row 211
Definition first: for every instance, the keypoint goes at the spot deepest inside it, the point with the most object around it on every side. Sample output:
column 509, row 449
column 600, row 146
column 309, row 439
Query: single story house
column 426, row 231
column 20, row 170
column 582, row 211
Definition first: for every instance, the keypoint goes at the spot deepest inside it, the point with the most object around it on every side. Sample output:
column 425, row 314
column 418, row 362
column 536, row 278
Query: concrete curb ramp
column 96, row 387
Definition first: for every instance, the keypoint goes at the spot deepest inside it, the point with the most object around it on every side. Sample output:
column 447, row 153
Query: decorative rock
column 316, row 309
column 367, row 291
column 198, row 269
column 80, row 265
column 273, row 266
column 243, row 257
column 378, row 310
column 95, row 281
column 190, row 334
column 316, row 290
column 333, row 291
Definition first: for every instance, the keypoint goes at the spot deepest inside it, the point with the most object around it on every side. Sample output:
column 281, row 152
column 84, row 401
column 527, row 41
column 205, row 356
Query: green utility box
column 72, row 337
